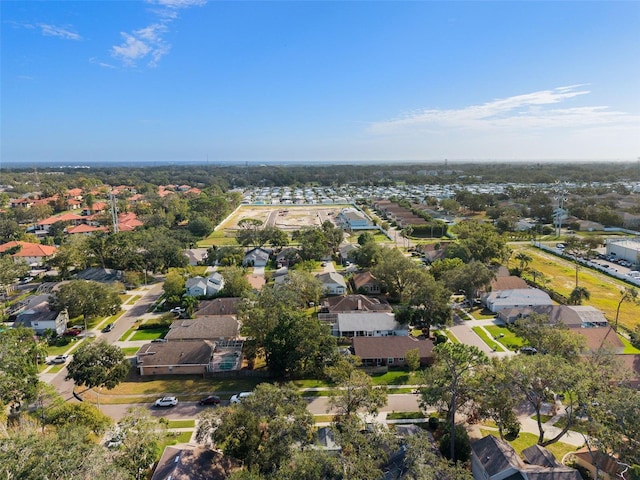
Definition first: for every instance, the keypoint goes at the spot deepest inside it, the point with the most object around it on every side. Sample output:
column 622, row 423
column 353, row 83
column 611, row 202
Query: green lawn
column 149, row 334
column 629, row 349
column 311, row 383
column 481, row 313
column 134, row 299
column 526, row 440
column 323, row 418
column 182, row 424
column 403, row 415
column 506, row 337
column 448, row 334
column 485, row 338
column 130, row 351
column 396, row 377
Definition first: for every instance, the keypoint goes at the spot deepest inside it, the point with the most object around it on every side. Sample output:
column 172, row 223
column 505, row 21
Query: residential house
column 353, row 219
column 521, row 297
column 84, row 229
column 189, row 462
column 185, row 357
column 128, row 221
column 587, row 321
column 256, row 257
column 209, row 327
column 333, row 283
column 391, row 351
column 365, row 282
column 101, row 275
column 40, row 317
column 33, row 254
column 494, row 459
column 331, row 306
column 215, row 283
column 288, row 257
column 368, row 324
column 345, row 251
column 608, row 467
column 95, row 208
column 43, row 226
column 218, row 306
column 196, row 287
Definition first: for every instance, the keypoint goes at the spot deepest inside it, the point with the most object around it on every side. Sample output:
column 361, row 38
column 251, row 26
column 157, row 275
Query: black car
column 528, row 350
column 108, row 328
column 210, row 400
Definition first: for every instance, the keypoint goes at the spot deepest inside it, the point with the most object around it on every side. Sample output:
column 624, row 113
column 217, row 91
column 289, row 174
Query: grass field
column 628, row 348
column 404, row 415
column 130, row 351
column 508, row 339
column 182, row 424
column 149, row 334
column 486, row 339
column 605, row 291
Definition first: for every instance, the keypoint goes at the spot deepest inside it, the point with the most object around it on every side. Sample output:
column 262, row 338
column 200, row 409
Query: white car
column 60, row 359
column 238, row 397
column 166, row 402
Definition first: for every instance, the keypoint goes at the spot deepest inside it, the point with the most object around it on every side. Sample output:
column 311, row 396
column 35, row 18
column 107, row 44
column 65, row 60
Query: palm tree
column 578, row 295
column 629, row 294
column 524, row 259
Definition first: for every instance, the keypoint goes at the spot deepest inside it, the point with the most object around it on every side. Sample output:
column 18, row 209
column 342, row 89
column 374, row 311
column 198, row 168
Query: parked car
column 159, row 340
column 210, row 400
column 166, row 402
column 60, row 359
column 560, row 246
column 108, row 328
column 528, row 350
column 177, row 310
column 238, row 397
column 72, row 332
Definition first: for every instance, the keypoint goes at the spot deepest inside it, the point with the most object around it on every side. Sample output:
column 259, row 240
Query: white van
column 238, row 397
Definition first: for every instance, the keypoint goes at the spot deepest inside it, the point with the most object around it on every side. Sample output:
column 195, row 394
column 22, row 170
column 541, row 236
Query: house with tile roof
column 33, row 254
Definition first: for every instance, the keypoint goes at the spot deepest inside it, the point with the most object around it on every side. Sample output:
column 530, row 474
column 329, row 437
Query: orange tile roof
column 29, row 249
column 84, row 228
column 65, row 217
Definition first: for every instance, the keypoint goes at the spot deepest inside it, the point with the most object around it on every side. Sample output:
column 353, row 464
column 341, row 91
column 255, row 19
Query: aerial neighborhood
column 405, row 322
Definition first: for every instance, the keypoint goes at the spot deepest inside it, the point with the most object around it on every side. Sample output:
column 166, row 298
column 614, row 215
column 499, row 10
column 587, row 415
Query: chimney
column 359, row 304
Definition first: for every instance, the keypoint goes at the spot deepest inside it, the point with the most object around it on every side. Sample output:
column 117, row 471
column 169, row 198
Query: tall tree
column 392, row 270
column 629, row 294
column 354, row 390
column 19, row 373
column 235, row 282
column 448, row 380
column 263, row 429
column 98, row 364
column 577, row 296
column 87, row 298
column 469, row 278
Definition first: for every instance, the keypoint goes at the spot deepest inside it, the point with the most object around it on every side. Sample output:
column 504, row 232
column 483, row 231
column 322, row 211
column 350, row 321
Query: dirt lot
column 285, row 217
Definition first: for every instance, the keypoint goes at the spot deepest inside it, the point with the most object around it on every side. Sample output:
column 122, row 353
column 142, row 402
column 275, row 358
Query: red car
column 72, row 332
column 210, row 400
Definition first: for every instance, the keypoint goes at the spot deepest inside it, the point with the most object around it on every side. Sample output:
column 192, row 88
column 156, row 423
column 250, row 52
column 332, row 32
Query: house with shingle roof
column 367, row 324
column 209, row 327
column 516, row 298
column 333, row 283
column 365, row 282
column 187, row 462
column 185, row 357
column 40, row 317
column 494, row 459
column 218, row 306
column 391, row 351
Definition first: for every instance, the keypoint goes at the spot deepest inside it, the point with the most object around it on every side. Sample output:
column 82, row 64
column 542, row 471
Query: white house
column 353, row 219
column 256, row 257
column 196, row 287
column 40, row 317
column 516, row 298
column 333, row 283
column 368, row 324
column 215, row 283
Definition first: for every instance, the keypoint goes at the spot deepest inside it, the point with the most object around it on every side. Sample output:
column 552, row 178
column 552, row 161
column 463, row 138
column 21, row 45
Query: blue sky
column 341, row 81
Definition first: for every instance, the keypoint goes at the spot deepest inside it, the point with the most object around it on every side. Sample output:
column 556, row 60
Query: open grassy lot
column 526, row 440
column 604, row 290
column 182, row 424
column 506, row 336
column 130, row 351
column 628, row 348
column 486, row 339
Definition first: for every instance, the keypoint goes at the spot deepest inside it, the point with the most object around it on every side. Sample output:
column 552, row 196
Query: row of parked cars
column 171, row 401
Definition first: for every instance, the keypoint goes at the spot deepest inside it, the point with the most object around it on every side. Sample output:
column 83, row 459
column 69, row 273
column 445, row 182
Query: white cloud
column 148, row 42
column 542, row 124
column 518, row 112
column 95, row 61
column 55, row 31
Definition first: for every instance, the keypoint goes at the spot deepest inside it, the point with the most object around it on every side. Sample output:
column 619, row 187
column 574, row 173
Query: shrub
column 462, row 444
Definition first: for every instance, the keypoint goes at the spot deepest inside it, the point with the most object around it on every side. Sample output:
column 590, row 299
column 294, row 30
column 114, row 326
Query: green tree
column 392, row 270
column 578, row 294
column 524, row 259
column 412, row 358
column 174, row 285
column 249, row 232
column 10, row 270
column 430, row 299
column 263, row 430
column 313, row 241
column 274, row 236
column 141, row 442
column 78, row 414
column 550, row 338
column 305, row 287
column 448, row 381
column 354, row 390
column 87, row 298
column 200, row 227
column 235, row 282
column 19, row 351
column 469, row 278
column 98, row 364
column 423, row 464
column 629, row 294
column 478, row 241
